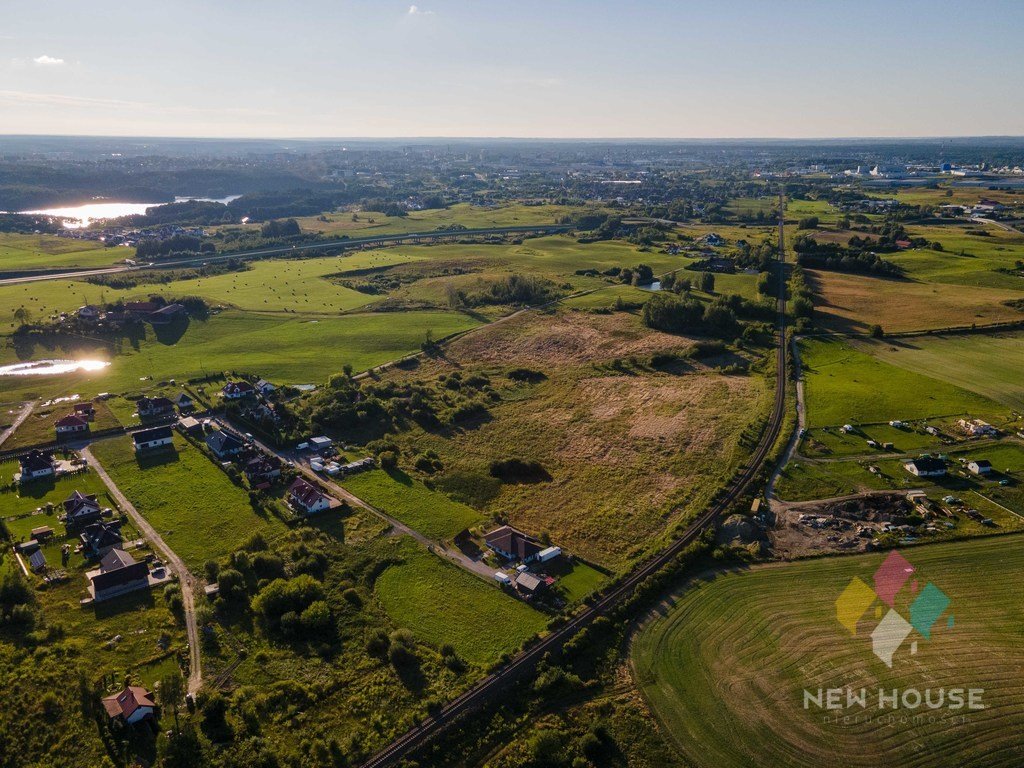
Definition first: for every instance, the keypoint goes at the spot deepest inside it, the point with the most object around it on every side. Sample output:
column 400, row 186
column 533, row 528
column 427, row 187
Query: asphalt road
column 524, row 663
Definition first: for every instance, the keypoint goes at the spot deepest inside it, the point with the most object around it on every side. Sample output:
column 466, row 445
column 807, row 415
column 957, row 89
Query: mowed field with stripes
column 724, row 665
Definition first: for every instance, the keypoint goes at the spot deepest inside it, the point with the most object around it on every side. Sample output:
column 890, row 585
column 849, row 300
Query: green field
column 465, row 214
column 19, row 252
column 285, row 350
column 846, row 386
column 725, row 669
column 431, row 513
column 191, row 503
column 442, row 604
column 991, row 364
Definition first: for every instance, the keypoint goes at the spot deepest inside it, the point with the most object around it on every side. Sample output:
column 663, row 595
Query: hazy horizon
column 792, row 69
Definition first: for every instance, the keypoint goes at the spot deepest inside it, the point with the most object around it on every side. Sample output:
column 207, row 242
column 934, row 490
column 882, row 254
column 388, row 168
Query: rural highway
column 175, row 563
column 283, row 250
column 522, row 664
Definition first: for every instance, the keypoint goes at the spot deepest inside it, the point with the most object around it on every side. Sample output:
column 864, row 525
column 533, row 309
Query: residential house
column 100, row 537
column 224, row 444
column 262, row 469
column 150, row 439
column 36, row 464
column 90, row 313
column 132, row 705
column 236, row 390
column 306, row 499
column 80, row 510
column 977, row 428
column 118, row 574
column 513, row 544
column 154, row 407
column 264, row 387
column 184, row 402
column 926, row 466
column 70, row 425
column 980, row 466
column 141, row 308
column 85, row 411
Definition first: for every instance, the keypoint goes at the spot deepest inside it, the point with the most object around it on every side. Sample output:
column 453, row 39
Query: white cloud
column 47, row 61
column 415, row 10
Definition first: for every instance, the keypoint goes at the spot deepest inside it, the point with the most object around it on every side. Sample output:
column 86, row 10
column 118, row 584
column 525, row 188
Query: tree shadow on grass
column 410, row 673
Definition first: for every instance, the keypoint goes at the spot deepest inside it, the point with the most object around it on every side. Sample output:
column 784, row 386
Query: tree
column 706, row 282
column 877, row 332
column 809, row 222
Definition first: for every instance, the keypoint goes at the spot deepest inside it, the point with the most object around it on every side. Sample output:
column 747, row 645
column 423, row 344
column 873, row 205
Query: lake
column 83, row 215
column 51, row 367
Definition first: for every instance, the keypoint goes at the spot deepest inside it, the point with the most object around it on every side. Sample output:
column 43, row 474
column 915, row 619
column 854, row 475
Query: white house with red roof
column 306, row 499
column 131, row 705
column 236, row 390
column 70, row 425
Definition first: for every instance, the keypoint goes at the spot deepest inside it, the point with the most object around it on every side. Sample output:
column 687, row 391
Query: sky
column 512, row 68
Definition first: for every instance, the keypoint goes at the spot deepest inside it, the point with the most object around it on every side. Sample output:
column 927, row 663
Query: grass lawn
column 577, row 581
column 844, row 385
column 724, row 668
column 25, row 499
column 989, row 364
column 442, row 604
column 430, row 512
column 192, row 504
column 806, row 481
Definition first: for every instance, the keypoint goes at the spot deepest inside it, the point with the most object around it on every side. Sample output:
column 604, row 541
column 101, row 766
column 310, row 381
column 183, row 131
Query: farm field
column 847, row 386
column 721, row 685
column 853, row 303
column 191, row 503
column 287, row 350
column 989, row 364
column 465, row 214
column 19, row 252
column 442, row 604
column 630, row 451
column 431, row 513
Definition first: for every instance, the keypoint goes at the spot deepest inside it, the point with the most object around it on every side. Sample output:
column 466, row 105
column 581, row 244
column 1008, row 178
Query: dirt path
column 22, row 415
column 801, row 424
column 175, row 563
column 476, row 567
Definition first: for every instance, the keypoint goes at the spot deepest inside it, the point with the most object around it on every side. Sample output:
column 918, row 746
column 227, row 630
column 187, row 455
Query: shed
column 37, row 560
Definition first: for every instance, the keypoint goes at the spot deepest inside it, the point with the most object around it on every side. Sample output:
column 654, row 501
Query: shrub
column 519, row 471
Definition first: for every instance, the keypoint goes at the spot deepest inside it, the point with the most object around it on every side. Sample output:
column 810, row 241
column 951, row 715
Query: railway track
column 488, row 688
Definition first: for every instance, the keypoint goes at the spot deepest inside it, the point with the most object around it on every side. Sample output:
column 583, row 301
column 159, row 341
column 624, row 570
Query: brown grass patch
column 560, row 338
column 853, row 303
